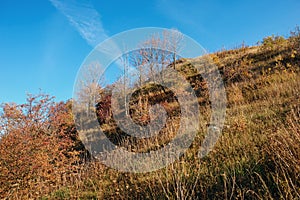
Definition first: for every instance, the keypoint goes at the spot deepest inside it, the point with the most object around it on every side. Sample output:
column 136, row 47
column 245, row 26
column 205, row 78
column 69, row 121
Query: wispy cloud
column 84, row 17
column 87, row 21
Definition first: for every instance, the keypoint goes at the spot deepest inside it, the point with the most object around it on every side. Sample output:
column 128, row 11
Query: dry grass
column 257, row 156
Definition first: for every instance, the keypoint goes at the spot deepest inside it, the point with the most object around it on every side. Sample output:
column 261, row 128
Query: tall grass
column 256, row 157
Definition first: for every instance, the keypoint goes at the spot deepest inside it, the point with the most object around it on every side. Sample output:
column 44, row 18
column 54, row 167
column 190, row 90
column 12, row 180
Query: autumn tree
column 37, row 146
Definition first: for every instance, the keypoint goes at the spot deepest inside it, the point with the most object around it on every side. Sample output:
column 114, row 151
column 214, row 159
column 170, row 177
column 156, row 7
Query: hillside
column 256, row 157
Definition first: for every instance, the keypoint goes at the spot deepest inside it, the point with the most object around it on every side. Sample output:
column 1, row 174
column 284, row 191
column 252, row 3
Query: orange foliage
column 36, row 146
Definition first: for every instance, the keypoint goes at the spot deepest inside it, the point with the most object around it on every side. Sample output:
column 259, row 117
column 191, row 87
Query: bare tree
column 90, row 86
column 126, row 80
column 149, row 62
column 173, row 39
column 158, row 52
column 138, row 62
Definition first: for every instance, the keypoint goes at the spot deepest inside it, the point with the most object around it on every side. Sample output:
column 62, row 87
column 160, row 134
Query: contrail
column 84, row 18
column 87, row 21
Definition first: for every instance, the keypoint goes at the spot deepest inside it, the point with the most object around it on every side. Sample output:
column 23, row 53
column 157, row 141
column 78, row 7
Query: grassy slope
column 258, row 154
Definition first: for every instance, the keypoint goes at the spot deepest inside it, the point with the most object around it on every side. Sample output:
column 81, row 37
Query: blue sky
column 42, row 44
